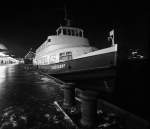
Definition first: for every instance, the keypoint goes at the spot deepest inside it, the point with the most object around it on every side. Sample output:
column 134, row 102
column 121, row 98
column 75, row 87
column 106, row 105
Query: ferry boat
column 69, row 56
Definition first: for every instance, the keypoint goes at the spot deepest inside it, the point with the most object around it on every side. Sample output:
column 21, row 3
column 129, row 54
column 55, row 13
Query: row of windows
column 64, row 56
column 58, row 66
column 46, row 60
column 43, row 60
column 70, row 32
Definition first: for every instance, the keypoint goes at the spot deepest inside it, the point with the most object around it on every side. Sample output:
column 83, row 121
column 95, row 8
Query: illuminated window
column 52, row 59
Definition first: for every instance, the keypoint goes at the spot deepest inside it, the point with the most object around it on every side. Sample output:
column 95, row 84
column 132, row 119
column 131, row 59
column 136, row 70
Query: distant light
column 134, row 54
column 141, row 57
column 2, row 54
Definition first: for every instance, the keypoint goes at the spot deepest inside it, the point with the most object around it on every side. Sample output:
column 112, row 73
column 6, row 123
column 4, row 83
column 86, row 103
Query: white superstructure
column 67, row 44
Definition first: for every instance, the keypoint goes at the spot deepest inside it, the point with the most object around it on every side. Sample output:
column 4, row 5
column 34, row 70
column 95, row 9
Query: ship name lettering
column 58, row 66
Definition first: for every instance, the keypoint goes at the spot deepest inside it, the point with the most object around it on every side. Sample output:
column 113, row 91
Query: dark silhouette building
column 28, row 59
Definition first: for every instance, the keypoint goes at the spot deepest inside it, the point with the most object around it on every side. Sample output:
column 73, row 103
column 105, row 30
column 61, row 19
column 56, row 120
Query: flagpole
column 113, row 37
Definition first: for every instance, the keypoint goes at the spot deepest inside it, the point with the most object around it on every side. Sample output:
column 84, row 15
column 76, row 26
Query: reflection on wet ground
column 31, row 100
column 27, row 100
column 44, row 116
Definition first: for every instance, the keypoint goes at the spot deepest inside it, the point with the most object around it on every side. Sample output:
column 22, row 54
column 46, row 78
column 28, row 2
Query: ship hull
column 92, row 67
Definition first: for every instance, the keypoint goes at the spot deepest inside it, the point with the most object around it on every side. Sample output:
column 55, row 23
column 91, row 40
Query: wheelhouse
column 70, row 31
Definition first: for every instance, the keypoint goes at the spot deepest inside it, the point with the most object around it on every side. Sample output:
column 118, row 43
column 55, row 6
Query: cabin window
column 69, row 55
column 49, row 40
column 76, row 33
column 72, row 32
column 64, row 31
column 52, row 59
column 69, row 32
column 80, row 33
column 65, row 56
column 45, row 60
column 62, row 56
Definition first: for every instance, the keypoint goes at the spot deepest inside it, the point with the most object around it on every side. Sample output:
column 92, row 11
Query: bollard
column 69, row 95
column 88, row 108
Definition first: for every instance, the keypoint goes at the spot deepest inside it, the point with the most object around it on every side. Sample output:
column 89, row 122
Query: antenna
column 65, row 10
column 66, row 19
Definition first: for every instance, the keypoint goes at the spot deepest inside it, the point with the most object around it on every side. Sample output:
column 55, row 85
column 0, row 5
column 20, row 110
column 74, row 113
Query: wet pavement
column 26, row 100
column 31, row 100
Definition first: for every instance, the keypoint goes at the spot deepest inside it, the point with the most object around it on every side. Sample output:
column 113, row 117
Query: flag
column 111, row 33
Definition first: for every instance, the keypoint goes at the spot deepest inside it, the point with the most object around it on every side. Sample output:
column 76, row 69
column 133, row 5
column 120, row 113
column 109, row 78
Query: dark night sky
column 27, row 25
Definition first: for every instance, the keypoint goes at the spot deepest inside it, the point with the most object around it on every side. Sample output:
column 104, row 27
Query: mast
column 66, row 18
